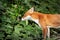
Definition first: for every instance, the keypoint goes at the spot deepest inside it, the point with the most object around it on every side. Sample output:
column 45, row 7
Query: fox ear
column 31, row 10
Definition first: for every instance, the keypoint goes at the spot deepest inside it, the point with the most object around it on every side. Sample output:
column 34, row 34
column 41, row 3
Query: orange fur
column 45, row 20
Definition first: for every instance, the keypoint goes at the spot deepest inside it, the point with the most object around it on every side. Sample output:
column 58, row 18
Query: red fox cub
column 45, row 21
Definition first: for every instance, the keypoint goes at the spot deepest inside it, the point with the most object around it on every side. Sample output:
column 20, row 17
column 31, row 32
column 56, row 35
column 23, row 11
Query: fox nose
column 22, row 19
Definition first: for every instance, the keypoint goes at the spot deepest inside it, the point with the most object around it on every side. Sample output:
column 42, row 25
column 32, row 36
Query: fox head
column 27, row 15
column 30, row 15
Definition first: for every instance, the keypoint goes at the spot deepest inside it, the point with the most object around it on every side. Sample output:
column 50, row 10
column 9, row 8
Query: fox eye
column 23, row 16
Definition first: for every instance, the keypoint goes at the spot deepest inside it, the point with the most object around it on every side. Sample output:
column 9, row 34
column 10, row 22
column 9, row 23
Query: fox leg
column 48, row 34
column 44, row 31
column 44, row 28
